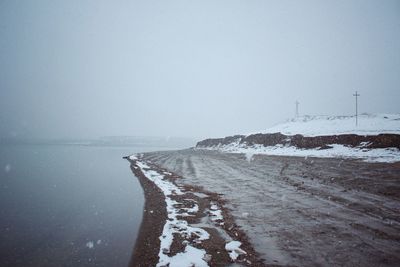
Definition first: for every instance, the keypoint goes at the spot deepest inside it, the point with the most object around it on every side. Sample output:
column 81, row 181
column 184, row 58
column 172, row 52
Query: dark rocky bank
column 300, row 141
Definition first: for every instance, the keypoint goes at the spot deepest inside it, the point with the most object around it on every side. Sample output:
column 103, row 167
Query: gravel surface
column 302, row 211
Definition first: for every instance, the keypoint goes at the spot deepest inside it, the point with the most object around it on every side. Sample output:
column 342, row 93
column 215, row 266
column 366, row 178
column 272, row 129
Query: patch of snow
column 133, row 157
column 368, row 124
column 193, row 209
column 215, row 213
column 166, row 187
column 234, row 249
column 190, row 257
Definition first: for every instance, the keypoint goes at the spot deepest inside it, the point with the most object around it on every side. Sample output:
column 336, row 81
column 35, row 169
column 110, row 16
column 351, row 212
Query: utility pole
column 356, row 95
column 297, row 109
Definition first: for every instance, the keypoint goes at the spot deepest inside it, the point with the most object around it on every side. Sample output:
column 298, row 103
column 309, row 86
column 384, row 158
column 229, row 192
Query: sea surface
column 68, row 205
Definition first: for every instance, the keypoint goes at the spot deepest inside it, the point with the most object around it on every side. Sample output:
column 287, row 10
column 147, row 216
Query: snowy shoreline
column 173, row 225
column 181, row 225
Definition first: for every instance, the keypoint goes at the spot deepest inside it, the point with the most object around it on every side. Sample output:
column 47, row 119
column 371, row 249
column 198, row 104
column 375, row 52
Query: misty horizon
column 191, row 69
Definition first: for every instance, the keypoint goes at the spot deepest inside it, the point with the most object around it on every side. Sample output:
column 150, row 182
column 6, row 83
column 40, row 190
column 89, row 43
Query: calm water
column 67, row 206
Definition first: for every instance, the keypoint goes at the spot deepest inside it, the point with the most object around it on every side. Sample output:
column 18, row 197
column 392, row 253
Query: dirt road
column 302, row 211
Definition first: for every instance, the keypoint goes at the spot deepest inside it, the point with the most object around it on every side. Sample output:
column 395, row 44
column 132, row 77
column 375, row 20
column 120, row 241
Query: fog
column 191, row 68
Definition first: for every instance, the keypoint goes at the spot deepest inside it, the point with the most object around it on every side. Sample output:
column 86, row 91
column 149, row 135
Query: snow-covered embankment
column 375, row 139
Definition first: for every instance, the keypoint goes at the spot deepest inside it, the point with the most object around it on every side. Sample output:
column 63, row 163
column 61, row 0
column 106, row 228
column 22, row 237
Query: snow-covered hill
column 321, row 136
column 368, row 124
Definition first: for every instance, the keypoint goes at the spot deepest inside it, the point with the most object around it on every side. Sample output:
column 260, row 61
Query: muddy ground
column 302, row 211
column 221, row 230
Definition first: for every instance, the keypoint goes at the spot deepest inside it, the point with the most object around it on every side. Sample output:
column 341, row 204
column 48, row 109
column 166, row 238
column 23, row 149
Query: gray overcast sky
column 191, row 68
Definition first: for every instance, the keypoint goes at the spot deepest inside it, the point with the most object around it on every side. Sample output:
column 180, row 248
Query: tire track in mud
column 316, row 189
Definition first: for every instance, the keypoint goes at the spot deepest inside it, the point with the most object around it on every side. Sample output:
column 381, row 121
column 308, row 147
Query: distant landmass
column 139, row 141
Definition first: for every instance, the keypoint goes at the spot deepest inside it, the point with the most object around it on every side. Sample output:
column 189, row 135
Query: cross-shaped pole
column 356, row 95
